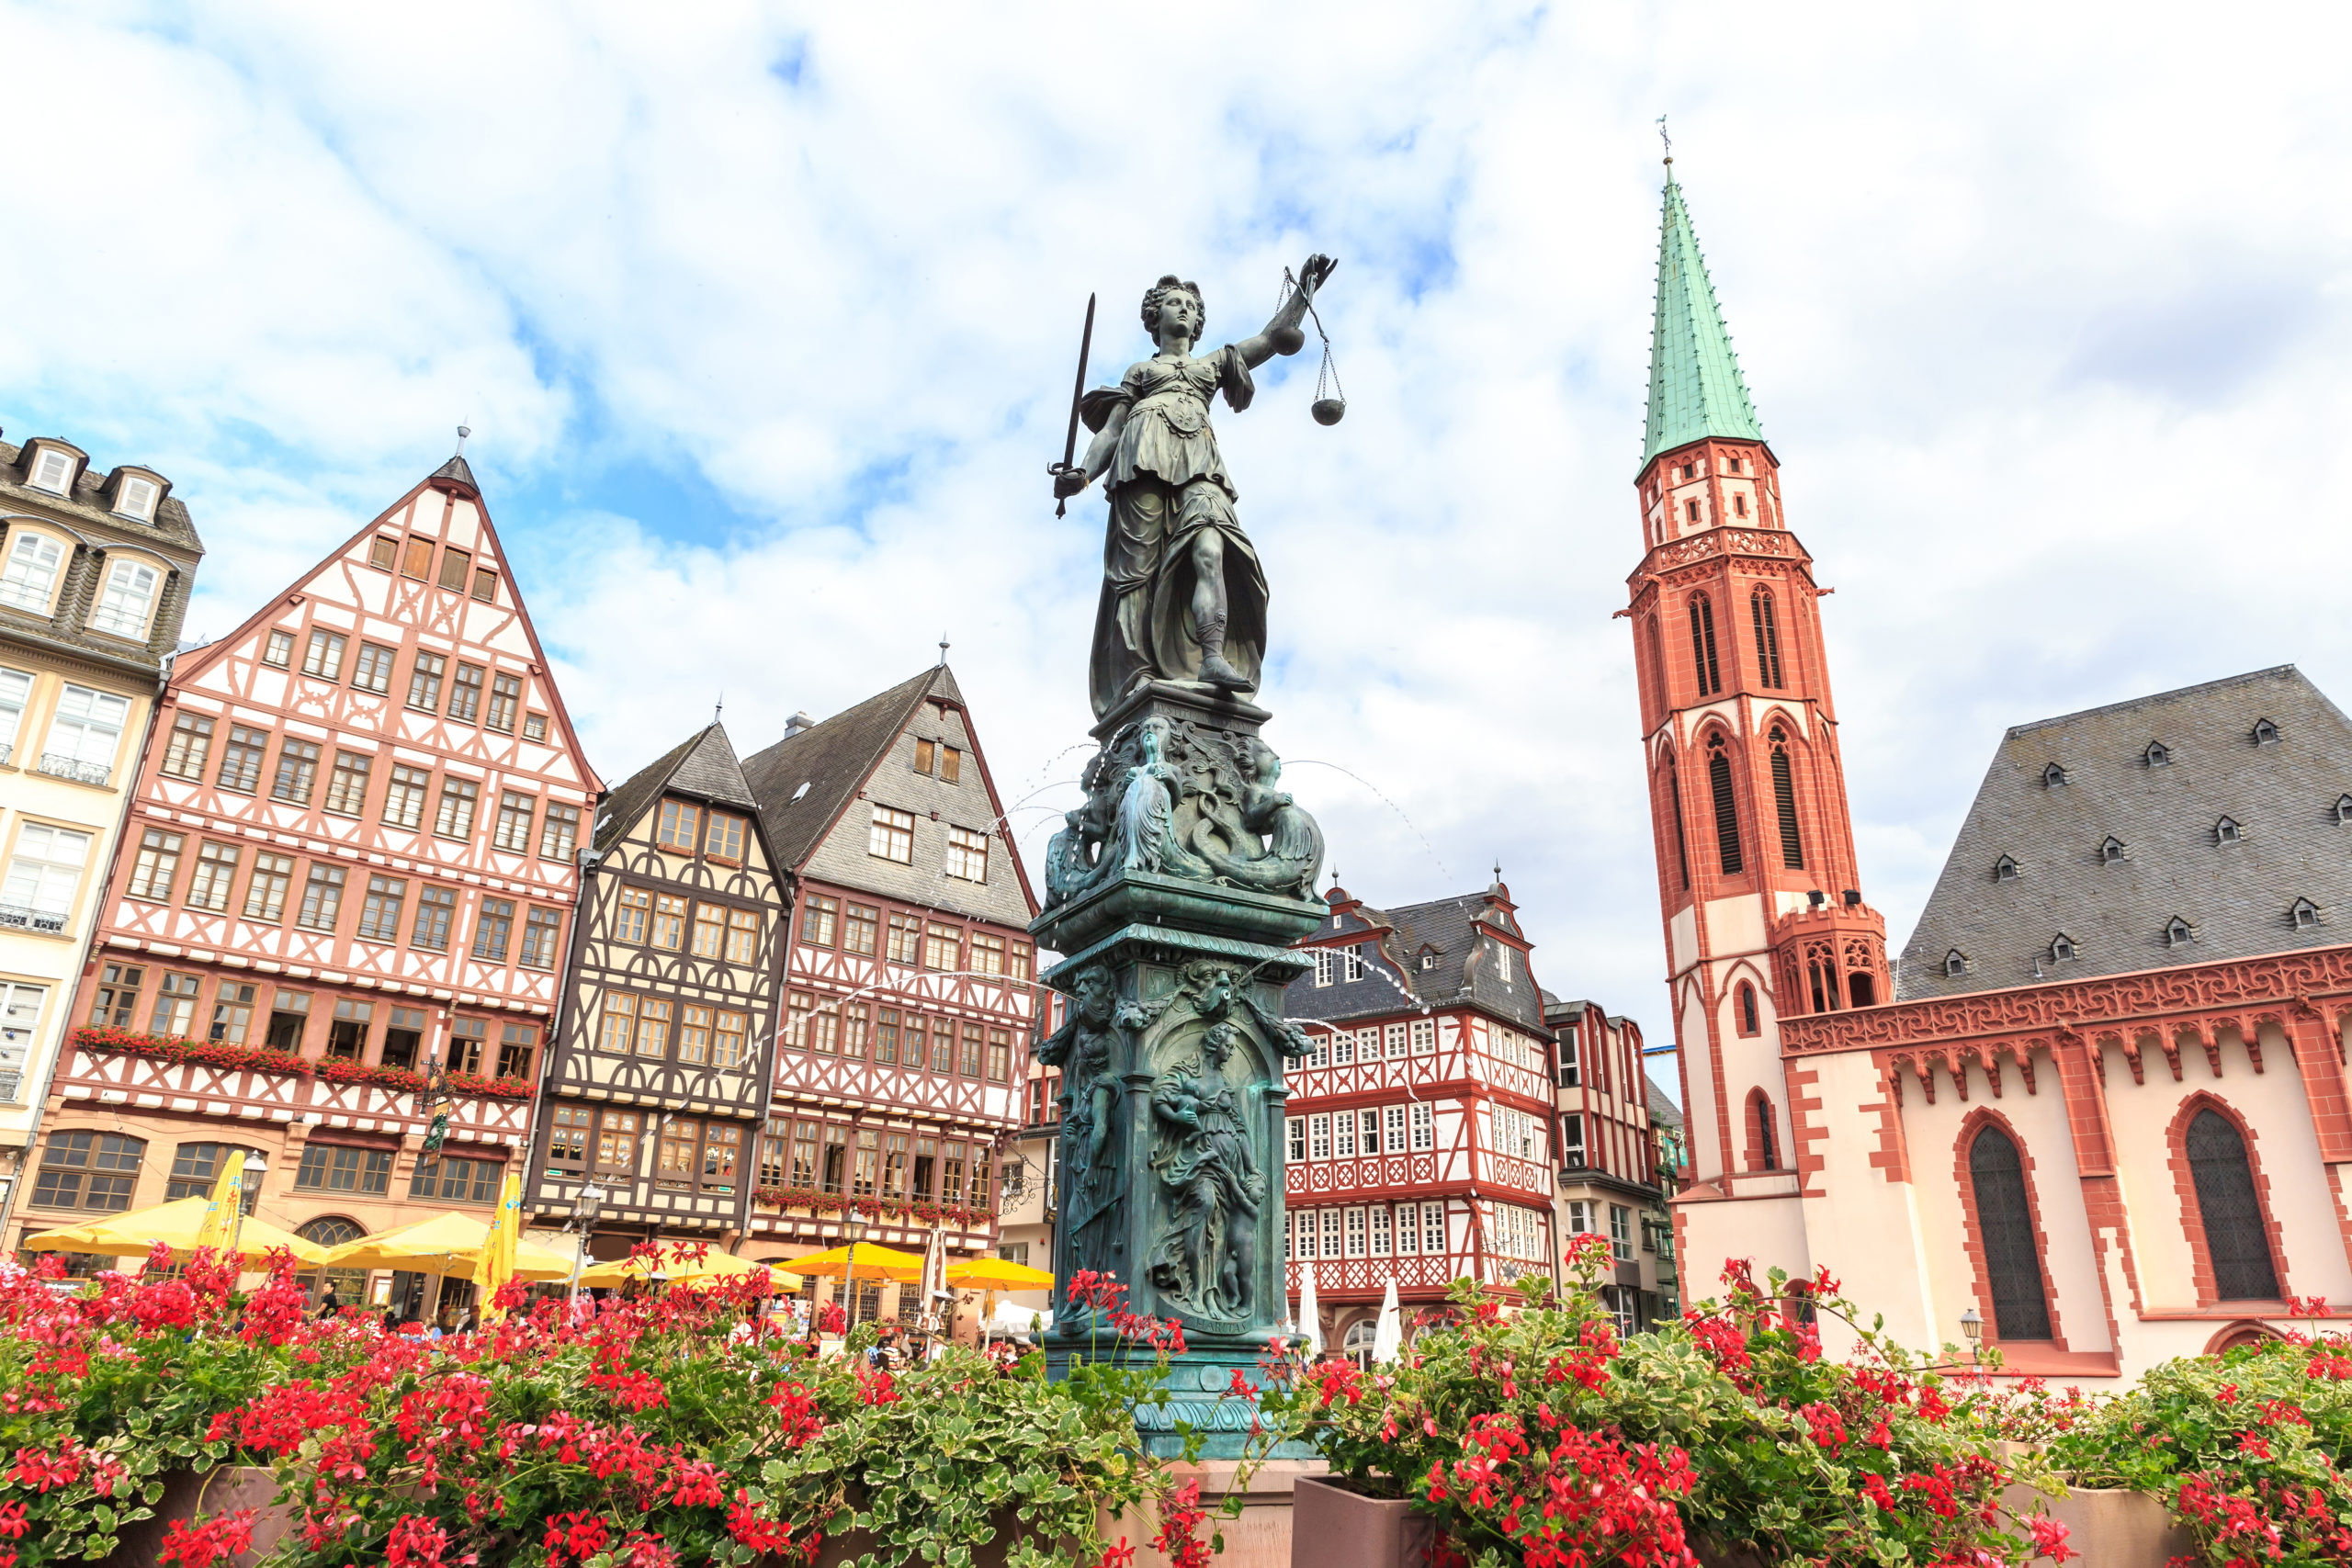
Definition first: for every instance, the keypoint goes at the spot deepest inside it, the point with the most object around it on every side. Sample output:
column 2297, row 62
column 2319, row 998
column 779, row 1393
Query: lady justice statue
column 1183, row 596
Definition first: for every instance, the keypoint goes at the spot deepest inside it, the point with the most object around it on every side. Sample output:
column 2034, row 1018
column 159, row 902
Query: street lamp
column 857, row 1224
column 250, row 1181
column 584, row 1214
column 1972, row 1326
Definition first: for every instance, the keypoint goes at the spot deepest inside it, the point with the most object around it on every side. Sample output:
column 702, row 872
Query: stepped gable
column 2236, row 888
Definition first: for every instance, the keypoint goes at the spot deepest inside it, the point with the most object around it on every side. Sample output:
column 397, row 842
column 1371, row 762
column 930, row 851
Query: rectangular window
column 616, row 1141
column 1380, row 1246
column 926, row 1168
column 465, row 692
column 674, row 1161
column 1343, row 1135
column 347, row 784
column 542, row 934
column 1572, row 1140
column 869, row 1156
column 860, row 926
column 1424, row 1036
column 451, row 1180
column 16, row 689
column 241, row 760
column 379, row 912
column 731, row 1048
column 1433, row 1229
column 894, row 1166
column 265, row 894
column 693, row 1037
column 404, row 799
column 942, row 947
column 1424, row 1128
column 130, row 593
column 892, row 837
column 1350, row 965
column 383, row 551
column 915, row 1044
column 1318, row 1136
column 195, row 1167
column 834, row 1170
column 514, row 830
column 336, row 1168
column 968, row 1059
column 950, row 1173
column 486, row 585
column 232, row 1013
column 999, row 1056
column 981, row 1173
column 85, row 734
column 347, row 1031
column 886, row 1037
column 116, row 1002
column 373, row 672
column 1355, row 1233
column 1016, row 961
column 518, row 1050
column 323, row 655
column 436, row 911
column 297, row 773
column 455, row 566
column 322, row 897
column 1409, row 1230
column 568, row 1136
column 653, row 1018
column 634, row 908
column 710, row 930
column 186, row 751
column 216, row 873
column 1294, row 1138
column 279, row 651
column 1322, row 967
column 535, row 726
column 31, row 574
column 823, row 1028
column 1332, row 1220
column 455, row 818
column 722, row 1151
column 802, row 1172
column 681, row 823
column 926, row 750
column 1344, row 1048
column 1396, row 1130
column 290, row 1017
column 417, row 559
column 1621, row 1233
column 669, row 922
column 951, row 764
column 820, row 919
column 616, row 1027
column 89, row 1170
column 403, row 1038
column 722, row 838
column 906, row 939
column 156, row 867
column 987, row 952
column 967, row 854
column 469, row 1040
column 505, row 701
column 742, row 936
column 558, row 831
column 425, row 681
column 1570, row 1073
column 1368, row 1132
column 854, row 1016
column 493, row 929
column 174, row 1013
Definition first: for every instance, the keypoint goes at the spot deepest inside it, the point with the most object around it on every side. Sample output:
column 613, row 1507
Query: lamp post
column 250, row 1183
column 584, row 1214
column 855, row 1223
column 1973, row 1327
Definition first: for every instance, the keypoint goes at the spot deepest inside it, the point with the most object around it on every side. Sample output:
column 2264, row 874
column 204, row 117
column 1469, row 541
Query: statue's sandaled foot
column 1215, row 671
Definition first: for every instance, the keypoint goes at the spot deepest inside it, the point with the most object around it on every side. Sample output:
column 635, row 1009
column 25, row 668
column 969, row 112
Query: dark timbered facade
column 658, row 1086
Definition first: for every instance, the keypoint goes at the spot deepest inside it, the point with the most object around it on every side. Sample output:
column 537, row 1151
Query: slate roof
column 834, row 759
column 702, row 766
column 1696, row 390
column 84, row 513
column 2237, row 897
column 1453, row 931
column 171, row 526
column 1664, row 1113
column 458, row 469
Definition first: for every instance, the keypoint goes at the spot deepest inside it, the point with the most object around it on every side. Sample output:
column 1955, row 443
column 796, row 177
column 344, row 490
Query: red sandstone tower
column 1757, row 875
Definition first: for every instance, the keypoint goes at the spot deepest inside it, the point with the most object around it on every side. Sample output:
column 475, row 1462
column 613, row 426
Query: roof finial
column 463, row 431
column 719, row 709
column 942, row 650
column 1662, row 136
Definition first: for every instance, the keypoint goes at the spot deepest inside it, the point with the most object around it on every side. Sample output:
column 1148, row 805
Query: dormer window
column 53, row 472
column 1955, row 964
column 2227, row 831
column 2344, row 809
column 28, row 581
column 2005, row 870
column 1428, row 960
column 2265, row 732
column 2157, row 755
column 2110, row 851
column 2305, row 914
column 128, row 596
column 2062, row 948
column 1350, row 965
column 2053, row 776
column 135, row 497
column 2178, row 933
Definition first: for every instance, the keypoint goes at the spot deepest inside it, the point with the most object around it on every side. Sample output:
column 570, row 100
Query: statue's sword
column 1077, row 394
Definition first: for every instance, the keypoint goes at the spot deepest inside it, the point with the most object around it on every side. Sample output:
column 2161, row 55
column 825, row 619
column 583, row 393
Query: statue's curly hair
column 1170, row 284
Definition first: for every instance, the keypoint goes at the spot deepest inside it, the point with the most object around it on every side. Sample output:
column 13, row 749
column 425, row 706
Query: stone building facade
column 1609, row 1180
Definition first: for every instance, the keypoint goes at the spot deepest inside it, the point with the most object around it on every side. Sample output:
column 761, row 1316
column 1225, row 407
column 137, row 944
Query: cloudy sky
column 764, row 318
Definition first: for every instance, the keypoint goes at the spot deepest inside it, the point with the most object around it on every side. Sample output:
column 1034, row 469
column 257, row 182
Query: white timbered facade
column 1419, row 1137
column 909, row 1006
column 658, row 1087
column 350, row 859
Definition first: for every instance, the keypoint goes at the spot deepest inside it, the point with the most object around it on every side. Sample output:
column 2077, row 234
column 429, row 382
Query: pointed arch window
column 1681, row 844
column 2237, row 1235
column 2005, row 870
column 1784, row 798
column 2005, row 1222
column 1658, row 666
column 1702, row 646
column 1760, row 1118
column 1768, row 637
column 1955, row 965
column 1726, row 809
column 1751, row 1019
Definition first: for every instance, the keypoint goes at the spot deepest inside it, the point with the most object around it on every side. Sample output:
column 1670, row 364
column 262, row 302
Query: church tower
column 1757, row 878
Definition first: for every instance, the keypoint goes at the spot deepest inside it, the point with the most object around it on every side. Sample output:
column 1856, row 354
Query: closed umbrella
column 448, row 1243
column 494, row 1266
column 177, row 1225
column 219, row 1227
column 934, row 1269
column 1310, row 1315
column 1388, row 1334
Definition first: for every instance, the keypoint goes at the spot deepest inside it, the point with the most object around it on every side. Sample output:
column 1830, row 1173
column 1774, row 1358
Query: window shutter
column 2235, row 1235
column 1726, row 813
column 1784, row 795
column 2012, row 1261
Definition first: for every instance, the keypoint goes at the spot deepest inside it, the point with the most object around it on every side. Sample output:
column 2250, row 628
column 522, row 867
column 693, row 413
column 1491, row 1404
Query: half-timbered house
column 1419, row 1131
column 659, row 1082
column 1609, row 1183
column 349, row 862
column 95, row 573
column 909, row 1003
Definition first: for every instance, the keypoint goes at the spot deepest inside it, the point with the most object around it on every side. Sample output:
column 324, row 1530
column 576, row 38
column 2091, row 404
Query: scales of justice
column 1177, row 886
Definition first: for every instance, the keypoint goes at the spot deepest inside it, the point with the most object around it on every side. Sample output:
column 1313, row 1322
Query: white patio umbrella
column 1388, row 1334
column 1310, row 1315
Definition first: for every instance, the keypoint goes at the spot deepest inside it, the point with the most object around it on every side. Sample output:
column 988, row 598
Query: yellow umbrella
column 226, row 1203
column 873, row 1263
column 997, row 1274
column 177, row 1225
column 717, row 1266
column 447, row 1244
column 495, row 1265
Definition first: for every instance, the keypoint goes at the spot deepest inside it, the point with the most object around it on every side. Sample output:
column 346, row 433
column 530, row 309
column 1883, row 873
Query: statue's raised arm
column 1283, row 333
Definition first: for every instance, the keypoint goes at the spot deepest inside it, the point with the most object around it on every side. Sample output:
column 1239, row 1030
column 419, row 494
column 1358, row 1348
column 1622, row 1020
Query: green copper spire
column 1695, row 387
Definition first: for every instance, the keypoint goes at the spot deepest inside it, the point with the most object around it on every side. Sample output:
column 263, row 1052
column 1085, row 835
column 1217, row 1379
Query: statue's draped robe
column 1166, row 482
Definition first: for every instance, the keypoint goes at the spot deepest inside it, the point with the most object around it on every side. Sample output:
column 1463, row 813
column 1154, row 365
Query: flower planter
column 222, row 1491
column 1334, row 1524
column 2111, row 1528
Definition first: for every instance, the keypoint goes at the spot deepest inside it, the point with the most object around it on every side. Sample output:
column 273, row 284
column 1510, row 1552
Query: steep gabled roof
column 2236, row 893
column 1696, row 390
column 804, row 781
column 702, row 766
column 1664, row 1113
column 1459, row 932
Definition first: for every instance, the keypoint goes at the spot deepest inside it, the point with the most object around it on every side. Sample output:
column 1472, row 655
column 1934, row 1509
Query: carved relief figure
column 1183, row 596
column 1081, row 1049
column 1205, row 1258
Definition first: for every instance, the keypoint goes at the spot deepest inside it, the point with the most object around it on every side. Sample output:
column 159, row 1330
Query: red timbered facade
column 1610, row 1181
column 1419, row 1132
column 349, row 859
column 908, row 1007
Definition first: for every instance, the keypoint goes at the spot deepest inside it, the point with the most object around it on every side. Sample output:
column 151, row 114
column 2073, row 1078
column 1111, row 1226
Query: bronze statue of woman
column 1183, row 596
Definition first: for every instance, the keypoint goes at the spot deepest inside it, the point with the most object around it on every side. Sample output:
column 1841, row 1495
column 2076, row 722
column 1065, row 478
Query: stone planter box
column 2110, row 1527
column 1333, row 1525
column 220, row 1491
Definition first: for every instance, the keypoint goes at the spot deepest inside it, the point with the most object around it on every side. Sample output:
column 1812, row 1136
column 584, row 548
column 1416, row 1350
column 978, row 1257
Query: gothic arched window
column 1768, row 1156
column 1674, row 799
column 2012, row 1258
column 1750, row 1022
column 1726, row 807
column 2237, row 1237
column 1702, row 646
column 1784, row 797
column 1767, row 637
column 1657, row 667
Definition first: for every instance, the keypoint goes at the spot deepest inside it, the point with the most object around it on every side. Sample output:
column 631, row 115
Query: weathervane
column 463, row 431
column 1662, row 136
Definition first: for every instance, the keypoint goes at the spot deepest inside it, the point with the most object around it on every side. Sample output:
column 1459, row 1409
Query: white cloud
column 2043, row 312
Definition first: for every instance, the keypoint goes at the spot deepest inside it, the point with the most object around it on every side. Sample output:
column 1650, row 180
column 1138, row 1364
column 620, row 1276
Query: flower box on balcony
column 260, row 1059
